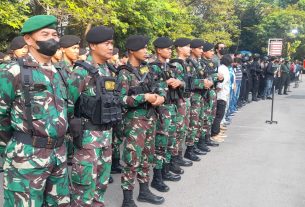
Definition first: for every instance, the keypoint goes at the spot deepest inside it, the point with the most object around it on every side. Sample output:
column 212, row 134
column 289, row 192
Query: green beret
column 38, row 22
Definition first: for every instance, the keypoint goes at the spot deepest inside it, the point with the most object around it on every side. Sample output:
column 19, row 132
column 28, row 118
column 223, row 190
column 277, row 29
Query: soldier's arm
column 129, row 101
column 7, row 96
column 179, row 73
column 76, row 85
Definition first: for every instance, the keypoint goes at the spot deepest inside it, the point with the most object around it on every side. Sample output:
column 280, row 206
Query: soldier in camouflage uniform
column 167, row 113
column 91, row 162
column 197, row 98
column 18, row 48
column 140, row 96
column 184, row 73
column 33, row 110
column 208, row 111
column 69, row 45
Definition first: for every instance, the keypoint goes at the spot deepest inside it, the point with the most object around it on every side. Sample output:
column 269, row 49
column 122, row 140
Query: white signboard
column 275, row 47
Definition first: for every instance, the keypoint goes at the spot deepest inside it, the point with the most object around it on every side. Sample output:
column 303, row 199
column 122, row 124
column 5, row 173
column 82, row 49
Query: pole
column 272, row 104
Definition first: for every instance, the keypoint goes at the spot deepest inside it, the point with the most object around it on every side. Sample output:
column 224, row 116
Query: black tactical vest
column 104, row 108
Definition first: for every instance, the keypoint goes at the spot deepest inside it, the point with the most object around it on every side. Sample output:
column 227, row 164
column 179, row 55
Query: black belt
column 38, row 142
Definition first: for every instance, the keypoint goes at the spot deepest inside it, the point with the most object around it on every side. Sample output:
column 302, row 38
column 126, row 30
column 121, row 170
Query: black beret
column 115, row 51
column 181, row 42
column 99, row 34
column 68, row 41
column 163, row 42
column 82, row 51
column 2, row 55
column 195, row 43
column 136, row 42
column 207, row 46
column 17, row 43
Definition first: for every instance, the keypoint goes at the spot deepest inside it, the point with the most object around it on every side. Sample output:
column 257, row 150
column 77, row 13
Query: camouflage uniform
column 34, row 176
column 69, row 140
column 208, row 111
column 166, row 112
column 197, row 104
column 91, row 163
column 139, row 130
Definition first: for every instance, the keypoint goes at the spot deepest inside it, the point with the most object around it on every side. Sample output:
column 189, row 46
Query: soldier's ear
column 29, row 40
column 92, row 46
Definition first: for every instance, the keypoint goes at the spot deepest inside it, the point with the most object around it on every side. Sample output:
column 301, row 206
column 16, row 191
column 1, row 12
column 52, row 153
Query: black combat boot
column 182, row 162
column 157, row 182
column 189, row 154
column 198, row 151
column 110, row 179
column 146, row 195
column 209, row 142
column 116, row 167
column 128, row 199
column 167, row 175
column 175, row 168
column 202, row 145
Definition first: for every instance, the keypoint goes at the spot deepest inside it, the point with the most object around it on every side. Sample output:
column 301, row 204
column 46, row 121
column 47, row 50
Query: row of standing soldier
column 153, row 107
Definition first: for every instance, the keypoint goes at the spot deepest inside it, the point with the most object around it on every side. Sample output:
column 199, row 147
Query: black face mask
column 48, row 47
column 223, row 51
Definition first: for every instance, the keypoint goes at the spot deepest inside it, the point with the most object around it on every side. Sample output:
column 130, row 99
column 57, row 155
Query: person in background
column 18, row 48
column 82, row 54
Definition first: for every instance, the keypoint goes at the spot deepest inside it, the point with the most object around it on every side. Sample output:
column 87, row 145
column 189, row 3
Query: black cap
column 68, row 41
column 82, row 51
column 17, row 43
column 115, row 51
column 207, row 46
column 163, row 42
column 99, row 34
column 2, row 55
column 181, row 42
column 136, row 42
column 195, row 43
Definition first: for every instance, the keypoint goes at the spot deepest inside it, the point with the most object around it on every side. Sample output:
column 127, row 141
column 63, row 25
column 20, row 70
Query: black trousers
column 285, row 79
column 220, row 112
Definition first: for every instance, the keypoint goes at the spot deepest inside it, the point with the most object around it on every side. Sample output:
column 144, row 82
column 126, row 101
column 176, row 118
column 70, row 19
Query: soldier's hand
column 160, row 100
column 176, row 84
column 207, row 83
column 150, row 97
column 170, row 81
column 220, row 76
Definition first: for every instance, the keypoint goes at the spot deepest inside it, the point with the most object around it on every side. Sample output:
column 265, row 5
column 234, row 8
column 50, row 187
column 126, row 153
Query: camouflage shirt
column 81, row 82
column 134, row 103
column 48, row 98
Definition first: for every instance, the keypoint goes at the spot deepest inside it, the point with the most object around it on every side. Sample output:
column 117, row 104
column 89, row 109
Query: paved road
column 258, row 165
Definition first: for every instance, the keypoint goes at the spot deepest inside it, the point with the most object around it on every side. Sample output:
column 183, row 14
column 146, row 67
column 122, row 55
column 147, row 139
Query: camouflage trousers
column 182, row 122
column 117, row 140
column 196, row 122
column 138, row 153
column 69, row 143
column 90, row 175
column 164, row 136
column 35, row 176
column 208, row 113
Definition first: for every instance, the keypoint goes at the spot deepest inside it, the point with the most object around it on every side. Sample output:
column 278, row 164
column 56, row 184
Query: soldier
column 18, row 48
column 256, row 71
column 284, row 78
column 184, row 74
column 82, row 54
column 140, row 95
column 94, row 91
column 33, row 112
column 166, row 131
column 209, row 108
column 197, row 99
column 69, row 46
